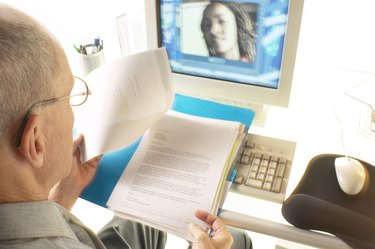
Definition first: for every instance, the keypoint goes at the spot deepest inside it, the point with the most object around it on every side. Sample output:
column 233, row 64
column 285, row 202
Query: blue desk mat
column 113, row 163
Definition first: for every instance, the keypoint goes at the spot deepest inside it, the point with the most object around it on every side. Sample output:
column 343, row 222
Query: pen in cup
column 90, row 48
column 90, row 55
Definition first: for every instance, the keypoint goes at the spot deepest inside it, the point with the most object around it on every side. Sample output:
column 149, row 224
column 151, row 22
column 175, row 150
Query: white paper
column 127, row 97
column 177, row 169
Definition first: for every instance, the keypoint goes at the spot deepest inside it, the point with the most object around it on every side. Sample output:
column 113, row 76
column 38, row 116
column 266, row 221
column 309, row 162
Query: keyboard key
column 283, row 160
column 267, row 186
column 261, row 176
column 263, row 170
column 254, row 183
column 249, row 144
column 276, row 187
column 269, row 178
column 264, row 163
column 253, row 174
column 245, row 159
column 271, row 171
column 256, row 161
column 246, row 152
column 254, row 168
column 281, row 170
column 273, row 165
column 238, row 180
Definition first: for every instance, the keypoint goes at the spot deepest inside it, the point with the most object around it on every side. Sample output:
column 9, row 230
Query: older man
column 41, row 176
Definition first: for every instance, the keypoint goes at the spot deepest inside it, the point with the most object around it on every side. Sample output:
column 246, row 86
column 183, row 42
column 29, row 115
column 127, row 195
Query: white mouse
column 351, row 175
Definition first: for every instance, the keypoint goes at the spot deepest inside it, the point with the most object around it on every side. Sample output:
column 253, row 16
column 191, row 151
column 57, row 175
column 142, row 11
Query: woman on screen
column 228, row 31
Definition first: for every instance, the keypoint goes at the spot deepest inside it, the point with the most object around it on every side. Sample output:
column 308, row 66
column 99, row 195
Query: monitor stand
column 261, row 110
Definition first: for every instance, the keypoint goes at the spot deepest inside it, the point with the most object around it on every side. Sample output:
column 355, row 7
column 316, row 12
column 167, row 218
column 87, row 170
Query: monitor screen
column 235, row 51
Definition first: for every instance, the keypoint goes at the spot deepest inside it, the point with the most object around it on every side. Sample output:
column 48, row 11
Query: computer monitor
column 240, row 52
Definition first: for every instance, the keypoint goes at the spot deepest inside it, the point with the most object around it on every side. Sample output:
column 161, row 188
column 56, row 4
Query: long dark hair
column 245, row 30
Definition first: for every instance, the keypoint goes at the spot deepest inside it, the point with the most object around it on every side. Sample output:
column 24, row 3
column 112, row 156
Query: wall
column 73, row 21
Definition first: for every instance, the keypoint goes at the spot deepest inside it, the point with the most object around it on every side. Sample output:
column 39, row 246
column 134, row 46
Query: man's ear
column 32, row 145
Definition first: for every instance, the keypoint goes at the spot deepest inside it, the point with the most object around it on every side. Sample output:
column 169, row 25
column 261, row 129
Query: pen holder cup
column 89, row 62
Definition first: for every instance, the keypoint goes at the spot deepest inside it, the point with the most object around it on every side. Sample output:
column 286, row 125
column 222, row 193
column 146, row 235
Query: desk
column 316, row 130
column 311, row 121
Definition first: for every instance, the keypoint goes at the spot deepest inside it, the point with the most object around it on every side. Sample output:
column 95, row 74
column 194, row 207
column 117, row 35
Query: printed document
column 180, row 165
column 127, row 97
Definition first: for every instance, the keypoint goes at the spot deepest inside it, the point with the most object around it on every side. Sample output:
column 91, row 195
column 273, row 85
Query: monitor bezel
column 244, row 94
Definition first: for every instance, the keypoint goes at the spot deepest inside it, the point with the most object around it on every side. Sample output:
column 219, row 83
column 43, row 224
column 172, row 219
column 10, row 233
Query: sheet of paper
column 176, row 169
column 127, row 97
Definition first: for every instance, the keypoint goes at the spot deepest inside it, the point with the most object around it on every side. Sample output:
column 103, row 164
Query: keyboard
column 263, row 167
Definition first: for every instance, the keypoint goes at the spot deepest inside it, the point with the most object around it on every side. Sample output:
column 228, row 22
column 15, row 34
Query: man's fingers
column 196, row 231
column 210, row 219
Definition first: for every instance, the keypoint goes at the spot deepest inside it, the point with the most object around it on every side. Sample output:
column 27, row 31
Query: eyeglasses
column 79, row 95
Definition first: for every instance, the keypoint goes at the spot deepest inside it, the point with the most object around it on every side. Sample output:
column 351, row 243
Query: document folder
column 112, row 164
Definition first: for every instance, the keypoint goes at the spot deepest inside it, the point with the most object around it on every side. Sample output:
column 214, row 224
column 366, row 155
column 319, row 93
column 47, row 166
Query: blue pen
column 233, row 175
column 96, row 45
column 97, row 42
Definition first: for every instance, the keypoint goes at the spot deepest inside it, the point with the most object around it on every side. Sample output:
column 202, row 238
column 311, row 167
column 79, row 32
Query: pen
column 76, row 48
column 95, row 46
column 97, row 42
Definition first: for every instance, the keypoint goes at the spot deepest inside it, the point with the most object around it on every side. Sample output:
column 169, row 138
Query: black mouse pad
column 318, row 203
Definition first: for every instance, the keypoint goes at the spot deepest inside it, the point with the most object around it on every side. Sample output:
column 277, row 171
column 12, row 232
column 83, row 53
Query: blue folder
column 113, row 163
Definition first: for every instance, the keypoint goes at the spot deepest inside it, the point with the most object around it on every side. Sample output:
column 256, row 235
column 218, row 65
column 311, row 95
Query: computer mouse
column 351, row 175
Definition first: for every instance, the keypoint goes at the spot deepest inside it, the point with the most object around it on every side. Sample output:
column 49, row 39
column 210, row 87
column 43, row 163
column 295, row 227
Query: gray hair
column 28, row 66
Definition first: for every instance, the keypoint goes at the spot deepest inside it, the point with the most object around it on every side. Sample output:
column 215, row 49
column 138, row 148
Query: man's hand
column 221, row 238
column 67, row 191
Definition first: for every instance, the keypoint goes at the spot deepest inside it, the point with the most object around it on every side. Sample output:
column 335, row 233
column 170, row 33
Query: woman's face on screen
column 220, row 29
